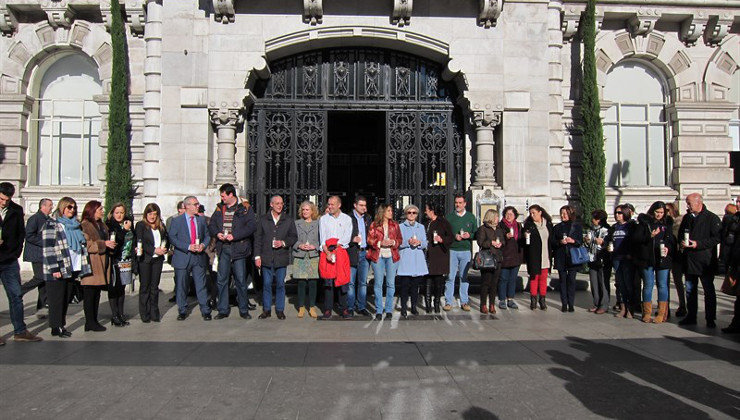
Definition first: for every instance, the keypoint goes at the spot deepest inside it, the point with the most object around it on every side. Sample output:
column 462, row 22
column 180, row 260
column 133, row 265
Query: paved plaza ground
column 516, row 364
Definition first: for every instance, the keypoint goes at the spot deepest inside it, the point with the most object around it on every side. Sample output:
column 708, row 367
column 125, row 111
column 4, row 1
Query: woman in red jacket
column 383, row 241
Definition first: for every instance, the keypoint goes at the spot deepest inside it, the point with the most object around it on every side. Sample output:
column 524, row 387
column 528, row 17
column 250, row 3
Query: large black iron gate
column 287, row 128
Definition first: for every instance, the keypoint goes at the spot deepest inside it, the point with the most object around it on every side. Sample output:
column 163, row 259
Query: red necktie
column 192, row 231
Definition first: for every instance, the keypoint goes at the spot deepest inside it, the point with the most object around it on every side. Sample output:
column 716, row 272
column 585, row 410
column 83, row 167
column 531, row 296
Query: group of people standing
column 334, row 252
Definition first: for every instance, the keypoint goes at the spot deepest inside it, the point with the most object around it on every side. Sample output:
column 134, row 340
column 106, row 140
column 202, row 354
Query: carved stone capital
column 136, row 17
column 402, row 12
column 643, row 21
column 313, row 11
column 58, row 13
column 693, row 28
column 570, row 19
column 8, row 21
column 226, row 118
column 223, row 11
column 718, row 27
column 490, row 10
column 487, row 119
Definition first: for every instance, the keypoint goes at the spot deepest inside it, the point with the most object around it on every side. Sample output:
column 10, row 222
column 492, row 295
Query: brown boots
column 647, row 311
column 662, row 313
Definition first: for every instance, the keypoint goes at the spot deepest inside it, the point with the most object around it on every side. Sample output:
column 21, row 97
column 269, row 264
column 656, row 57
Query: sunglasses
column 411, row 212
column 618, row 212
column 71, row 206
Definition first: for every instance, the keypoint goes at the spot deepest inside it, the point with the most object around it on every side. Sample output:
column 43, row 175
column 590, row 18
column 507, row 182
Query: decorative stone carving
column 570, row 19
column 59, row 13
column 693, row 28
column 8, row 21
column 718, row 27
column 402, row 12
column 643, row 22
column 226, row 121
column 224, row 11
column 136, row 17
column 485, row 165
column 490, row 10
column 313, row 11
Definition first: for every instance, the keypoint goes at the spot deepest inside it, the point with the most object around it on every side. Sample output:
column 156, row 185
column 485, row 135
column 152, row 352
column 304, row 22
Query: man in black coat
column 273, row 240
column 358, row 263
column 33, row 253
column 700, row 233
column 233, row 226
column 12, row 233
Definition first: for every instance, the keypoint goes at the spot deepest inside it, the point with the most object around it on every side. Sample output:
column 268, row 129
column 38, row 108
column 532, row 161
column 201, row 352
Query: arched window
column 635, row 127
column 68, row 123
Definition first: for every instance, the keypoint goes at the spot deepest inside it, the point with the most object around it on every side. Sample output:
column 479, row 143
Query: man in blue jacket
column 33, row 253
column 189, row 234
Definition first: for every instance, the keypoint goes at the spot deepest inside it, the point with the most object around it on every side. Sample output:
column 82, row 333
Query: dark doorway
column 356, row 156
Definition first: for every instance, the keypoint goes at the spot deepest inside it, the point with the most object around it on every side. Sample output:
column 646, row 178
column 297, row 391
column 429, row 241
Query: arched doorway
column 355, row 121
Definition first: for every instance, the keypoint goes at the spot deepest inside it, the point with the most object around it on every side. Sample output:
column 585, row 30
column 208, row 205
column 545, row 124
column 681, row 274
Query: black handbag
column 485, row 260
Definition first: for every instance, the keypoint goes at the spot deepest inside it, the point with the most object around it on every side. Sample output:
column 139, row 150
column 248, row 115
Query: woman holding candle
column 99, row 247
column 594, row 239
column 439, row 239
column 121, row 233
column 567, row 234
column 653, row 248
column 618, row 245
column 412, row 266
column 490, row 238
column 383, row 241
column 538, row 253
column 306, row 258
column 151, row 246
column 512, row 256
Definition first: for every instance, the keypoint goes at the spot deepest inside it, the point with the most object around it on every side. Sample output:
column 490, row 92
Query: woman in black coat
column 653, row 247
column 538, row 253
column 566, row 235
column 513, row 255
column 490, row 237
column 151, row 247
column 120, row 228
column 439, row 237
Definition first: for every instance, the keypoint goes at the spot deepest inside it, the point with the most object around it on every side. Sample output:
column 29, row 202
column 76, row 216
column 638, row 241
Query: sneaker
column 511, row 304
column 388, row 315
column 502, row 305
column 378, row 317
column 447, row 308
column 465, row 307
column 347, row 314
column 26, row 336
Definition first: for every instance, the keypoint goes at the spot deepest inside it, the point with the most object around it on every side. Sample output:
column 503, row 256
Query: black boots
column 533, row 302
column 428, row 296
column 543, row 303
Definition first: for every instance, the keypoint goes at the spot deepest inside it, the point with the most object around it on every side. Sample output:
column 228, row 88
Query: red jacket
column 375, row 236
column 339, row 270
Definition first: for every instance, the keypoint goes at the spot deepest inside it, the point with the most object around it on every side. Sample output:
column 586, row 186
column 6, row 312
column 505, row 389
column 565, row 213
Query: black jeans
column 58, row 294
column 37, row 282
column 91, row 304
column 149, row 276
column 409, row 286
column 489, row 286
column 328, row 285
column 567, row 285
column 710, row 296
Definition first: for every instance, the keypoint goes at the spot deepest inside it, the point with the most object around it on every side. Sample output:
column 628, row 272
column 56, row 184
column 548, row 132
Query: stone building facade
column 494, row 82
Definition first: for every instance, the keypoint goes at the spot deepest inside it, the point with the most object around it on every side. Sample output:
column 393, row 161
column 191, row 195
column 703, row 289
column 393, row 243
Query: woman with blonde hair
column 306, row 257
column 151, row 247
column 383, row 241
column 65, row 260
column 490, row 237
column 121, row 232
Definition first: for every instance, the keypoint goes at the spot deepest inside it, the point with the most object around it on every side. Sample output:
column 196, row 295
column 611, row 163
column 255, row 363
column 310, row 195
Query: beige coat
column 99, row 260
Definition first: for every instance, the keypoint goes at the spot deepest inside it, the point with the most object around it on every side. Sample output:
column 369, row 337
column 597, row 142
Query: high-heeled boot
column 533, row 302
column 428, row 296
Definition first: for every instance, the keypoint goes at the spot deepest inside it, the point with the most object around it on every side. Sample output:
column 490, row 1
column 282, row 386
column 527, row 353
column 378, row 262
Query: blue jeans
column 507, row 283
column 225, row 268
column 459, row 263
column 10, row 275
column 385, row 268
column 198, row 270
column 624, row 274
column 278, row 274
column 358, row 279
column 649, row 274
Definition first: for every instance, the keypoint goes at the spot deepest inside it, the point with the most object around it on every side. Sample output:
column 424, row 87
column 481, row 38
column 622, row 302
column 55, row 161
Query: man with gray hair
column 33, row 253
column 189, row 236
column 699, row 235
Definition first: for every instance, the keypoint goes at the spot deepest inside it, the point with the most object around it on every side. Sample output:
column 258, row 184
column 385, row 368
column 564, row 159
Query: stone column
column 226, row 122
column 152, row 98
column 485, row 147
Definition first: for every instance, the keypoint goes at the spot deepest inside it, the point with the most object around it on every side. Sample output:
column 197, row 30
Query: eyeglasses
column 618, row 212
column 411, row 212
column 71, row 207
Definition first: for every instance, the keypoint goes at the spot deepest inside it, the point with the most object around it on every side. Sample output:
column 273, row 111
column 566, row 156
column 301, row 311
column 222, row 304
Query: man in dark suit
column 700, row 232
column 273, row 240
column 33, row 253
column 359, row 264
column 189, row 234
column 233, row 226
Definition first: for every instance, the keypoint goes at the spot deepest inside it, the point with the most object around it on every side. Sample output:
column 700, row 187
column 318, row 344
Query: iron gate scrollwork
column 287, row 127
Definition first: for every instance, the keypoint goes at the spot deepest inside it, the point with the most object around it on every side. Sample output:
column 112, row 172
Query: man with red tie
column 188, row 235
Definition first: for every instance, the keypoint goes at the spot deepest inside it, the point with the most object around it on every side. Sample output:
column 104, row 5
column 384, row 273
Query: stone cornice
column 226, row 117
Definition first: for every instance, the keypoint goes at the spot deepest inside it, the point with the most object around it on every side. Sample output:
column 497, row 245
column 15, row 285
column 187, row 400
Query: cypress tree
column 118, row 179
column 591, row 184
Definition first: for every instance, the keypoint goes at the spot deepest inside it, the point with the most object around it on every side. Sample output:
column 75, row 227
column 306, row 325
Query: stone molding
column 643, row 21
column 8, row 20
column 226, row 117
column 402, row 12
column 693, row 28
column 486, row 118
column 490, row 10
column 58, row 13
column 313, row 12
column 570, row 20
column 223, row 11
column 718, row 27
